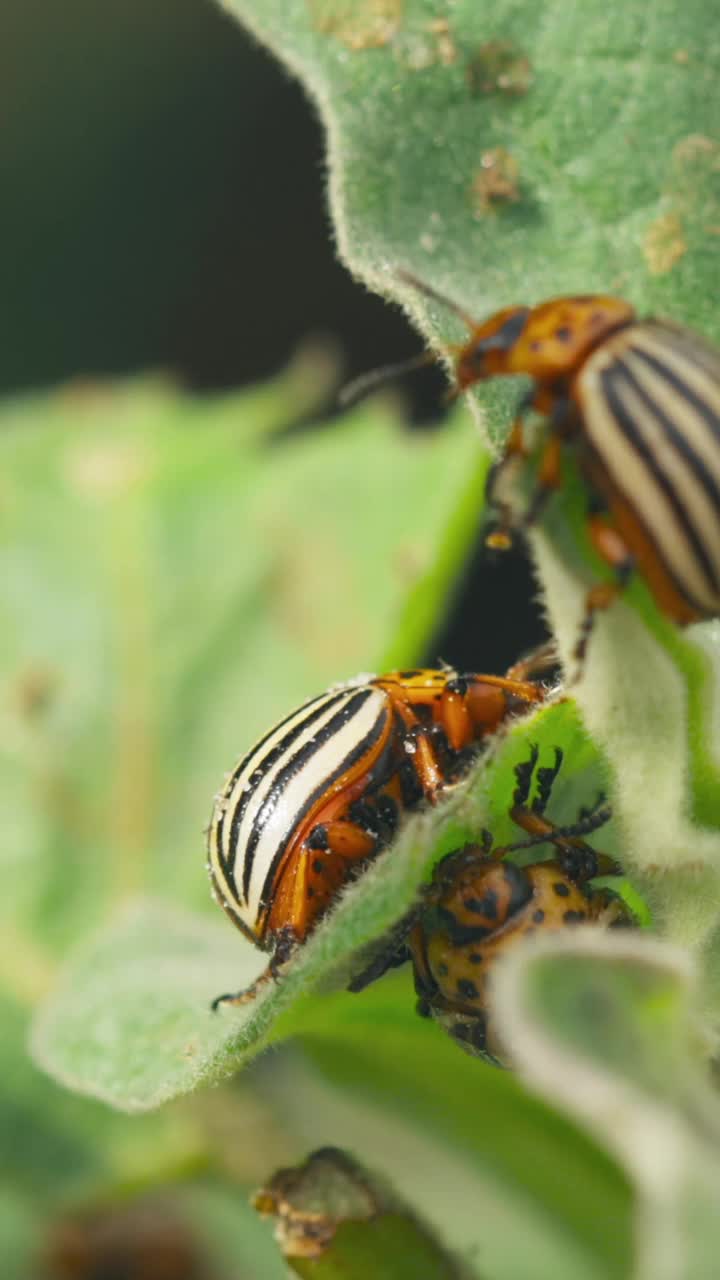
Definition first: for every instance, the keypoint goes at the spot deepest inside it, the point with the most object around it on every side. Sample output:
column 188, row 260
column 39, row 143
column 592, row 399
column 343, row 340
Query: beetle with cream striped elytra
column 639, row 401
column 322, row 793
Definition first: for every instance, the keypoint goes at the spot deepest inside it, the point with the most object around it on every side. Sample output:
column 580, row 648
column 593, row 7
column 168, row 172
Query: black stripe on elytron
column 349, row 705
column 679, row 440
column 351, row 758
column 705, row 410
column 315, row 709
column 304, row 706
column 609, row 379
column 698, row 351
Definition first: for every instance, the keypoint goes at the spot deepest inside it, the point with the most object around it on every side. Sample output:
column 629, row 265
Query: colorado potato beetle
column 479, row 903
column 639, row 401
column 322, row 793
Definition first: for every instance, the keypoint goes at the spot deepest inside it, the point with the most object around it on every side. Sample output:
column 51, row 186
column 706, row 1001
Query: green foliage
column 173, row 581
column 337, row 1221
column 614, row 138
column 608, row 1031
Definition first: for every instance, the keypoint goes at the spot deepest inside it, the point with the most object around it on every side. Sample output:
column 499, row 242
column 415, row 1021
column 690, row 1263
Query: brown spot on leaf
column 499, row 66
column 691, row 202
column 34, row 690
column 496, row 182
column 358, row 24
column 664, row 244
column 425, row 44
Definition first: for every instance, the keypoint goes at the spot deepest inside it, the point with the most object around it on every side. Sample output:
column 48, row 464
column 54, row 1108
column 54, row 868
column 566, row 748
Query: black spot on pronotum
column 519, row 886
column 318, row 866
column 467, row 989
column 562, row 890
column 442, row 969
column 563, row 334
column 459, row 934
column 487, row 906
column 539, row 915
column 475, row 957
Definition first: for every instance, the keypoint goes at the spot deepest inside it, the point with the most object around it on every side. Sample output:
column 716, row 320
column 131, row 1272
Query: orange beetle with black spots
column 479, row 904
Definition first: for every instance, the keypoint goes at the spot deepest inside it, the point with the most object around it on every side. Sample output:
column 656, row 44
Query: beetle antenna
column 442, row 298
column 367, row 382
column 361, row 386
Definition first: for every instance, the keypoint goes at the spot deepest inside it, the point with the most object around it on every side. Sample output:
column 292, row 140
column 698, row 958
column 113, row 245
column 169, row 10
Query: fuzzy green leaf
column 647, row 697
column 169, row 593
column 608, row 1031
column 604, row 127
column 420, row 100
column 173, row 583
column 130, row 1022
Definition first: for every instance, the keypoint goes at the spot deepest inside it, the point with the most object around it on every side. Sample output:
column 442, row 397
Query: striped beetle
column 321, row 794
column 478, row 904
column 640, row 399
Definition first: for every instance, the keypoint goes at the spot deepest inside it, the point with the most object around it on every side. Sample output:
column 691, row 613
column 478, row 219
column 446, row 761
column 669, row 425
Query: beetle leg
column 611, row 548
column 392, row 958
column 545, row 779
column 523, row 777
column 285, row 944
column 455, row 715
column 540, row 660
column 548, row 479
column 579, row 860
column 420, row 773
column 609, row 910
column 500, row 533
column 248, row 994
column 393, row 952
column 586, row 811
column 427, row 767
column 425, row 985
column 421, row 755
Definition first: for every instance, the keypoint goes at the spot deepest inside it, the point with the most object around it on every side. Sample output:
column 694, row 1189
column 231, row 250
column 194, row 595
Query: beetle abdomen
column 649, row 398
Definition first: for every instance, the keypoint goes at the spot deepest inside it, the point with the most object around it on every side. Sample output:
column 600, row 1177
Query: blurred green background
column 163, row 201
column 163, row 207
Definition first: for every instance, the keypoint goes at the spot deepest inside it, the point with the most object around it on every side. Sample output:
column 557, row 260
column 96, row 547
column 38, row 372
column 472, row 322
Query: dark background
column 163, row 205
